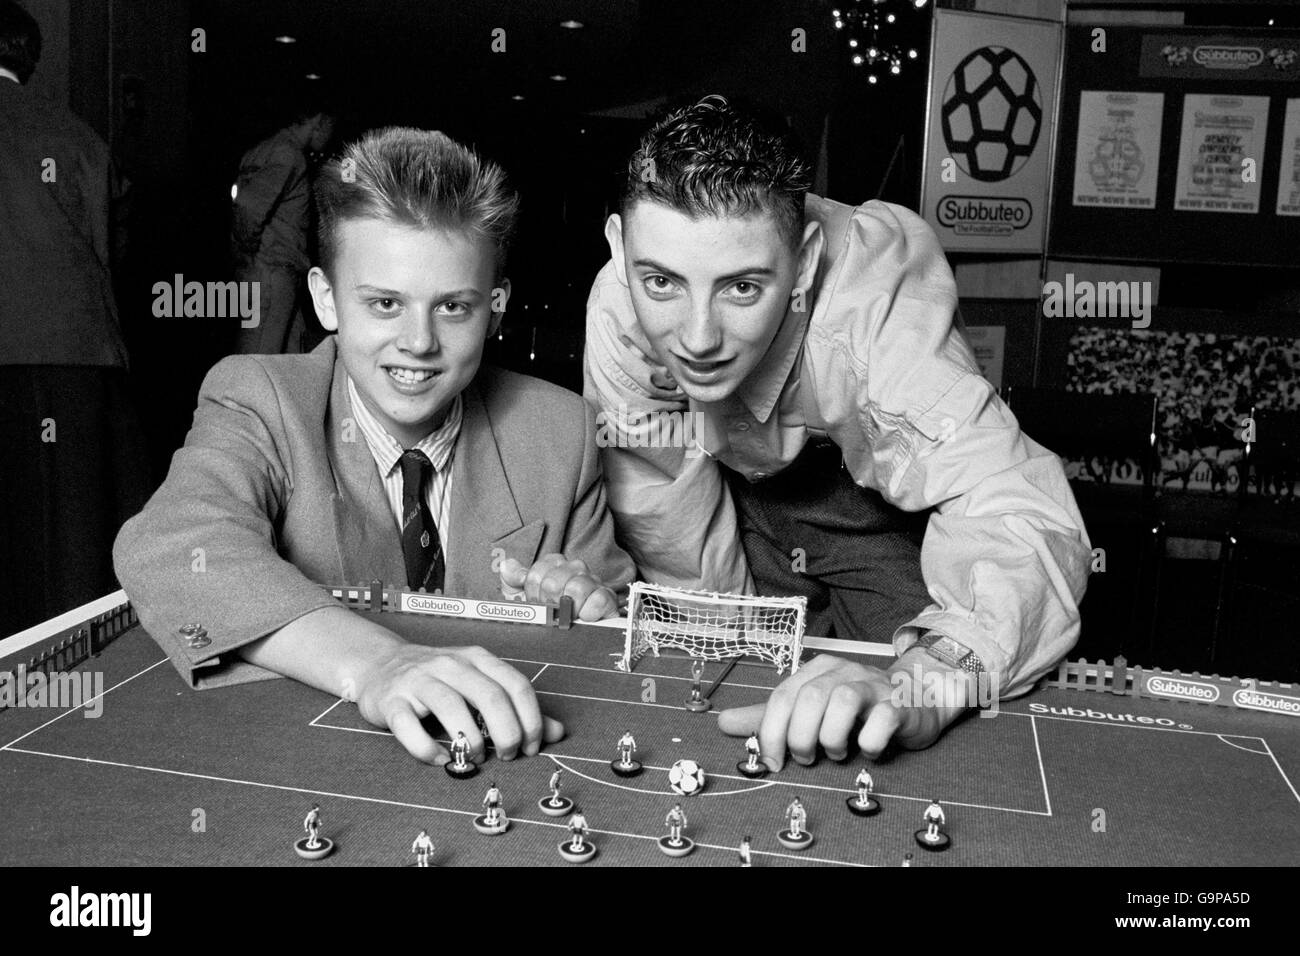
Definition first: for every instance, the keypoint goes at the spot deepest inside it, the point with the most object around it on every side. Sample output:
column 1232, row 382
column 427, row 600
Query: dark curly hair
column 713, row 158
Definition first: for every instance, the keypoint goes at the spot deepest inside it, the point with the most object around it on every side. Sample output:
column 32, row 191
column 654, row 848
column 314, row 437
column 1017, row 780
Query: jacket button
column 200, row 641
column 742, row 426
column 189, row 630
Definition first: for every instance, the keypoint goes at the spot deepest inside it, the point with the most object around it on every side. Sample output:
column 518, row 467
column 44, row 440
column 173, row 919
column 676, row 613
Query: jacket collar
column 484, row 512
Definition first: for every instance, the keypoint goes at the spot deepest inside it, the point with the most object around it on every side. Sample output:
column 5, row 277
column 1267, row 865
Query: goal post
column 713, row 626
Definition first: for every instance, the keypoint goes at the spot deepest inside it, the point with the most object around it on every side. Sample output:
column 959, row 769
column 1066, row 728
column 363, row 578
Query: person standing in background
column 270, row 226
column 74, row 463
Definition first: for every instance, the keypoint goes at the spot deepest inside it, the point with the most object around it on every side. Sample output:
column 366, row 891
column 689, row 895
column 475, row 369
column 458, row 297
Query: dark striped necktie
column 421, row 546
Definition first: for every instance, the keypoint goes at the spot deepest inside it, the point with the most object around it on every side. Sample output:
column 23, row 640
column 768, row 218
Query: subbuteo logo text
column 1262, row 700
column 1228, row 57
column 441, row 605
column 1185, row 689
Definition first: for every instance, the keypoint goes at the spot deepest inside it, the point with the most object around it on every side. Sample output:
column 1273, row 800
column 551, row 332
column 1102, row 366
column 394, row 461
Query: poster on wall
column 988, row 138
column 1220, row 134
column 1117, row 149
column 989, row 343
column 1288, row 184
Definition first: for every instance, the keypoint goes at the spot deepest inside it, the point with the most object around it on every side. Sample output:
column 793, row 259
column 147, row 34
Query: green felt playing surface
column 168, row 775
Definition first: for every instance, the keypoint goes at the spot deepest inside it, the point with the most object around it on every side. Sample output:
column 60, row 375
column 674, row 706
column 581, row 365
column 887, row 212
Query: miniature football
column 686, row 777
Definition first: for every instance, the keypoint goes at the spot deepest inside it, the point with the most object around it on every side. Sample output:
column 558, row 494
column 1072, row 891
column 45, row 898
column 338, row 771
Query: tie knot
column 416, row 467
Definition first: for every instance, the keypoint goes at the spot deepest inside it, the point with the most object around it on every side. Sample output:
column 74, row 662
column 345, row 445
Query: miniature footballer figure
column 674, row 844
column 555, row 805
column 697, row 702
column 745, row 859
column 625, row 766
column 554, row 785
column 422, row 848
column 907, row 859
column 492, row 801
column 795, row 836
column 750, row 766
column 864, row 805
column 577, row 850
column 933, row 838
column 313, row 846
column 492, row 821
column 460, row 765
column 796, row 816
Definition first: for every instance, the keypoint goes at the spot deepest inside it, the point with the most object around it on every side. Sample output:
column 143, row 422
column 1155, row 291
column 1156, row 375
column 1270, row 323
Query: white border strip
column 74, row 618
column 85, row 613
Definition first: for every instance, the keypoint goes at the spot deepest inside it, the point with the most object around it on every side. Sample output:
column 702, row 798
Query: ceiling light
column 558, row 77
column 285, row 38
column 572, row 24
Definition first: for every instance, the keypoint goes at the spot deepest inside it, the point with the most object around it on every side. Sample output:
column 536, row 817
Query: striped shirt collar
column 438, row 444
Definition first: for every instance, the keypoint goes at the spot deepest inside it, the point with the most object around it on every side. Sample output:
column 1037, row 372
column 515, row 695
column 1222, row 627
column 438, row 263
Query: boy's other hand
column 829, row 698
column 553, row 576
column 414, row 681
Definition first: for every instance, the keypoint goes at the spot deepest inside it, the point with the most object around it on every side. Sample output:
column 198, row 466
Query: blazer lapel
column 485, row 520
column 368, row 541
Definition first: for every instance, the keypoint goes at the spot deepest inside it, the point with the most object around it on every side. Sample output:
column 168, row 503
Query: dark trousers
column 812, row 530
column 63, row 500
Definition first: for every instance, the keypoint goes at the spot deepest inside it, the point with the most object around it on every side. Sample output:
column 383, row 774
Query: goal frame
column 637, row 639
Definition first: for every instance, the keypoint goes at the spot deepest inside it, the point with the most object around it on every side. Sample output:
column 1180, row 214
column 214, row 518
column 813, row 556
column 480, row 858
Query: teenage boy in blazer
column 389, row 453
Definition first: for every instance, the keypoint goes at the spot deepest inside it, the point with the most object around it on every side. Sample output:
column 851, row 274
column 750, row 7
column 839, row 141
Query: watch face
column 949, row 651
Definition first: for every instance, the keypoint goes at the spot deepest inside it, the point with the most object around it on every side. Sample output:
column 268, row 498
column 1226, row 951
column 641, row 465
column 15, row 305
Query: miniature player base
column 858, row 808
column 795, row 841
column 581, row 855
column 754, row 772
column 698, row 706
column 939, row 841
column 461, row 773
column 555, row 806
column 323, row 848
column 488, row 828
column 629, row 769
column 680, row 847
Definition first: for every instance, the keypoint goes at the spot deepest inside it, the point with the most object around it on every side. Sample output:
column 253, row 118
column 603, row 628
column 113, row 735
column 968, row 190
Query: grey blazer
column 275, row 493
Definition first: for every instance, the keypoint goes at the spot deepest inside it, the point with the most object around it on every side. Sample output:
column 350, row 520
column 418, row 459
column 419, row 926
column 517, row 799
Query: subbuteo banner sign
column 988, row 131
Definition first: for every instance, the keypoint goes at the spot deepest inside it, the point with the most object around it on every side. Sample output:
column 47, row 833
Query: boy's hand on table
column 830, row 697
column 553, row 576
column 412, row 681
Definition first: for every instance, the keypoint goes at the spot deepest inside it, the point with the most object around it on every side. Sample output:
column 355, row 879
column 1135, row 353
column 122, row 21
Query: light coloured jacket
column 877, row 362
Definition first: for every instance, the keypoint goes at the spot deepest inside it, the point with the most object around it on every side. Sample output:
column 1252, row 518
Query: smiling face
column 412, row 308
column 709, row 293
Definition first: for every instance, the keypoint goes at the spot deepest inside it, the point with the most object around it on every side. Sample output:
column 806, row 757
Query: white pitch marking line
column 1042, row 771
column 313, row 723
column 559, row 758
column 608, row 670
column 790, row 783
column 380, row 800
column 533, row 680
column 1285, row 778
column 84, row 704
column 1249, row 750
column 611, row 700
column 1115, row 723
column 355, row 730
column 724, row 776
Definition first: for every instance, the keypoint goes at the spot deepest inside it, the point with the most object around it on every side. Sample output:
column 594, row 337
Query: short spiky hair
column 417, row 178
column 712, row 159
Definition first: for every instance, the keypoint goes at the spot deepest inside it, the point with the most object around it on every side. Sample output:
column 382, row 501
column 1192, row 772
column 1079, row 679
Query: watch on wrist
column 953, row 653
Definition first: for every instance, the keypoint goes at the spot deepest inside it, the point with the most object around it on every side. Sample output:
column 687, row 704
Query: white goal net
column 713, row 626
